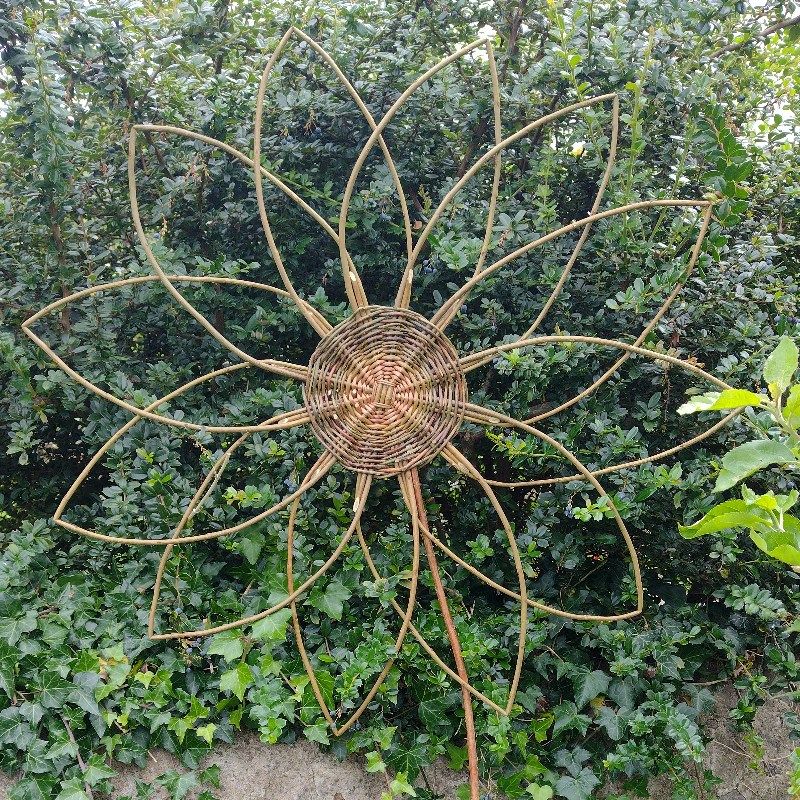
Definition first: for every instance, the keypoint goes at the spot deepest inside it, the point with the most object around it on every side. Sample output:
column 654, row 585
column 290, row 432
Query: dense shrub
column 598, row 703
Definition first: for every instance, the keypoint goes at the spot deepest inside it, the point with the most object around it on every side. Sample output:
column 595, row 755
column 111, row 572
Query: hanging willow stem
column 452, row 635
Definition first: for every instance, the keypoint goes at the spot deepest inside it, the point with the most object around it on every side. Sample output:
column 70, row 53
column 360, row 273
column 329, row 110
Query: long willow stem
column 452, row 635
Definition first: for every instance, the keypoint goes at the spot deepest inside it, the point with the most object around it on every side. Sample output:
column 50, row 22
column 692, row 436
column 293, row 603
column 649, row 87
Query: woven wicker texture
column 385, row 391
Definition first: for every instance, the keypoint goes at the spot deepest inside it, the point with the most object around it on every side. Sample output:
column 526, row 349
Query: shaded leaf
column 589, row 685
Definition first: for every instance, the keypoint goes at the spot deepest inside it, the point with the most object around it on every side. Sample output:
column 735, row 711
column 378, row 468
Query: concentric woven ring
column 385, row 391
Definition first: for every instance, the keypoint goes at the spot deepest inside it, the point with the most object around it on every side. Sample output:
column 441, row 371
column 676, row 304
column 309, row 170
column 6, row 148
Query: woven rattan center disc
column 385, row 391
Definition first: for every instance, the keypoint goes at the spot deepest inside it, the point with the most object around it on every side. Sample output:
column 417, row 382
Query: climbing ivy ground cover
column 707, row 109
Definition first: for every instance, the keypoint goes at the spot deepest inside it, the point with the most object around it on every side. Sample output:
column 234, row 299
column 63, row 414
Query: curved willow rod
column 200, row 496
column 455, row 644
column 405, row 615
column 404, row 291
column 662, row 310
column 321, row 325
column 463, row 465
column 423, row 642
column 498, row 160
column 612, row 157
column 586, row 475
column 279, row 367
column 458, row 460
column 648, row 328
column 473, row 412
column 286, row 601
column 315, row 474
column 318, row 471
column 290, row 422
column 329, row 60
column 165, row 278
column 351, row 281
column 443, row 316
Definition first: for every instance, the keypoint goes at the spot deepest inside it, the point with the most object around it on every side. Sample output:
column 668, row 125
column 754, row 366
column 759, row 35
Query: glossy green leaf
column 791, row 408
column 73, row 789
column 9, row 658
column 272, row 628
column 227, row 644
column 781, row 365
column 751, row 457
column 318, row 732
column 783, row 545
column 721, row 401
column 577, row 787
column 206, row 732
column 331, row 601
column 724, row 516
column 237, row 680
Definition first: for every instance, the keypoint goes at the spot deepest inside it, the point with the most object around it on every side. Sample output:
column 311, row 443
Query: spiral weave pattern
column 385, row 391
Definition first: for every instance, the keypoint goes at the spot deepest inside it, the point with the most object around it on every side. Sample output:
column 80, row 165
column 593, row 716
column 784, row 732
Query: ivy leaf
column 589, row 685
column 326, row 683
column 541, row 725
column 97, row 770
column 12, row 629
column 53, row 690
column 567, row 718
column 408, row 757
column 227, row 644
column 781, row 365
column 178, row 784
column 82, row 694
column 400, row 785
column 539, row 792
column 180, row 726
column 9, row 658
column 331, row 601
column 432, row 713
column 72, row 790
column 317, row 733
column 374, row 762
column 39, row 787
column 251, row 546
column 510, row 785
column 237, row 680
column 457, row 757
column 609, row 720
column 272, row 628
column 750, row 457
column 14, row 729
column 579, row 787
column 159, row 720
column 206, row 732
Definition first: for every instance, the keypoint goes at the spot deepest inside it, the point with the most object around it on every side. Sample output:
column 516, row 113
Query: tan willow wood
column 385, row 392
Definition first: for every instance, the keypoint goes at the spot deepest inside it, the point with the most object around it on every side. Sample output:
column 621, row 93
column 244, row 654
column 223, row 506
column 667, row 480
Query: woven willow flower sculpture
column 385, row 391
